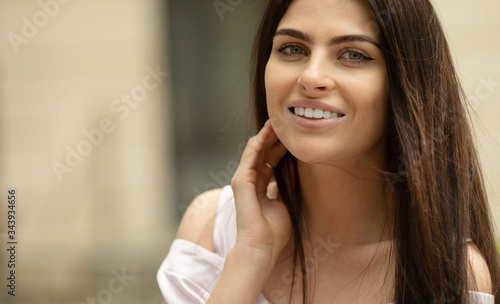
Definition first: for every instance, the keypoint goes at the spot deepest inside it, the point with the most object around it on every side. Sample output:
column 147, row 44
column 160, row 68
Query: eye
column 291, row 50
column 295, row 50
column 355, row 56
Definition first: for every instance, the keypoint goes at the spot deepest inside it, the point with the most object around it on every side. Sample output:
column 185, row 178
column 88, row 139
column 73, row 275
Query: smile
column 314, row 113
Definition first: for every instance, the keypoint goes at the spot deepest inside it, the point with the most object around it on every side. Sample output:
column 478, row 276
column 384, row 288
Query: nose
column 317, row 78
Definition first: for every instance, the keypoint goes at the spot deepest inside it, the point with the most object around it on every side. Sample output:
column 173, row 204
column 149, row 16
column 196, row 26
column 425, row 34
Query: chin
column 315, row 153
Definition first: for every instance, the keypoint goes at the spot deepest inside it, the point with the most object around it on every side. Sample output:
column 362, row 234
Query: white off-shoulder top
column 189, row 273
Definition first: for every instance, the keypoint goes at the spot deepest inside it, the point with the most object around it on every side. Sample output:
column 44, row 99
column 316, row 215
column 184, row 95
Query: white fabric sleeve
column 189, row 273
column 476, row 297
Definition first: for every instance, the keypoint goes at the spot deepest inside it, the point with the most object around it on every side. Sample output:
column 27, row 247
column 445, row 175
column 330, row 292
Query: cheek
column 272, row 81
column 279, row 81
column 269, row 79
column 380, row 101
column 374, row 116
column 370, row 94
column 276, row 88
column 367, row 94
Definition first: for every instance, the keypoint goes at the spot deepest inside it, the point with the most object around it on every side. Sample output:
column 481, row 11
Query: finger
column 245, row 177
column 272, row 137
column 275, row 153
column 255, row 146
column 272, row 158
column 261, row 149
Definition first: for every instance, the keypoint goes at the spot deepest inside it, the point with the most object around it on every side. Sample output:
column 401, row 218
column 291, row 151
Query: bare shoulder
column 197, row 224
column 479, row 273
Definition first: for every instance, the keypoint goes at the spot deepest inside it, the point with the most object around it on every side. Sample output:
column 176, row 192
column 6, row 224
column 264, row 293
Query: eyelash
column 286, row 46
column 364, row 56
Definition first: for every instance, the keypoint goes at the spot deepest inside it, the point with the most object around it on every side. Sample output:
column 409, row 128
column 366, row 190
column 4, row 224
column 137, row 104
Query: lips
column 315, row 113
column 314, row 109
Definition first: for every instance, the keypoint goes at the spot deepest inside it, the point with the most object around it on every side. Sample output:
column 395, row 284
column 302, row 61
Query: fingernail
column 267, row 122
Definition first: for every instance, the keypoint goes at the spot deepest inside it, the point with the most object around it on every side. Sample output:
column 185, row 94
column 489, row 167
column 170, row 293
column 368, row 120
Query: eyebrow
column 333, row 41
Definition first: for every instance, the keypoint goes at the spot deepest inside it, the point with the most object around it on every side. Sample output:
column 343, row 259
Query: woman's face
column 326, row 82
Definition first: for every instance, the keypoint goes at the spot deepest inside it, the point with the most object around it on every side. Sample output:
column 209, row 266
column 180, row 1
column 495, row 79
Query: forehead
column 330, row 17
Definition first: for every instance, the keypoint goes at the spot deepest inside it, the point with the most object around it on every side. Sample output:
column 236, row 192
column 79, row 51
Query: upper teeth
column 314, row 113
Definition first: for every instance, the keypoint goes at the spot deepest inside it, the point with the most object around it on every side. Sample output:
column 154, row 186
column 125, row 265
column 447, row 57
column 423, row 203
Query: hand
column 264, row 226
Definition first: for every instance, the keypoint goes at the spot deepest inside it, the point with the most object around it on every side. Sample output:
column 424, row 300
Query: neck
column 347, row 205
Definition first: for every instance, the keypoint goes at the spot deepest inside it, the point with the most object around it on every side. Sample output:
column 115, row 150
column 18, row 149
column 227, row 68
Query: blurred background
column 115, row 114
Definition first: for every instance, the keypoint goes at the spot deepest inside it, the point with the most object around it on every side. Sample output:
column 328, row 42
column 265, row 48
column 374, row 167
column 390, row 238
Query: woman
column 378, row 195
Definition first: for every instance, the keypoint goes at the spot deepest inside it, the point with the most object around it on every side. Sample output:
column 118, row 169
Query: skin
column 345, row 198
column 334, row 162
column 338, row 161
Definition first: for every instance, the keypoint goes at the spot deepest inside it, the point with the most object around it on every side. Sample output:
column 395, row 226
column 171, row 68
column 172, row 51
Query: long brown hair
column 434, row 171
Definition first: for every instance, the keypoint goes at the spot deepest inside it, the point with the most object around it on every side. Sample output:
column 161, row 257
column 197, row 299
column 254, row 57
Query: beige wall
column 472, row 28
column 111, row 212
